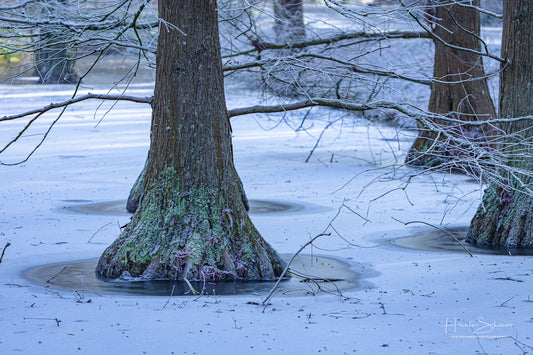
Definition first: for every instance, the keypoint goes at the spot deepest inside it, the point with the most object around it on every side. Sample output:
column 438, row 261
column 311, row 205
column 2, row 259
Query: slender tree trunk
column 505, row 216
column 289, row 20
column 459, row 89
column 191, row 222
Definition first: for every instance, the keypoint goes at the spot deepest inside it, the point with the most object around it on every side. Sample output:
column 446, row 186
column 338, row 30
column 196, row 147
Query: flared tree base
column 505, row 218
column 196, row 235
column 448, row 155
column 427, row 154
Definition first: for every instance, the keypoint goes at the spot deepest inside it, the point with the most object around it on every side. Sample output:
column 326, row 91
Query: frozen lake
column 409, row 301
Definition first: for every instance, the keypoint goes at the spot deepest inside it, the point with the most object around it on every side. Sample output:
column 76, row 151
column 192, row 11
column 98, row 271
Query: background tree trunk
column 53, row 58
column 505, row 216
column 191, row 222
column 459, row 89
column 289, row 20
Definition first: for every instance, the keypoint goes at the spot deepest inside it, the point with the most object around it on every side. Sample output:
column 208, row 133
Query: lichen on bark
column 193, row 235
column 192, row 220
column 505, row 216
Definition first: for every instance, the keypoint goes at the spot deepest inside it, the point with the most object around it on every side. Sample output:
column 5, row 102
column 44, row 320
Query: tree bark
column 136, row 191
column 53, row 57
column 459, row 89
column 191, row 222
column 505, row 216
column 289, row 21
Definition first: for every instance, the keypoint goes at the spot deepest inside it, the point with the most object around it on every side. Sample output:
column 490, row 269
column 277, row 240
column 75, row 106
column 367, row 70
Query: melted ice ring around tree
column 311, row 274
column 119, row 207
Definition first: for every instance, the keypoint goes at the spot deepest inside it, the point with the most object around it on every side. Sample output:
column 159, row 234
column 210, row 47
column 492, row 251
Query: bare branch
column 437, row 38
column 352, row 67
column 261, row 45
column 333, row 103
column 142, row 100
column 17, row 6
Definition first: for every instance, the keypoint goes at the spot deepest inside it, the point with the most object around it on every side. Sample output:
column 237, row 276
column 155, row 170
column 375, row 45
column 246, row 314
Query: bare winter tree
column 192, row 221
column 59, row 32
column 54, row 55
column 459, row 88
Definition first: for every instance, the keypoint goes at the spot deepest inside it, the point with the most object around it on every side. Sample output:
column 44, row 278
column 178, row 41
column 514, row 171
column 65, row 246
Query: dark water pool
column 314, row 274
column 437, row 240
column 119, row 207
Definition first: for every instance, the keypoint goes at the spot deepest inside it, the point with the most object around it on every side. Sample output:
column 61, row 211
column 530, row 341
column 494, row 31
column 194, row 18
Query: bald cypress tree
column 191, row 221
column 505, row 216
column 459, row 89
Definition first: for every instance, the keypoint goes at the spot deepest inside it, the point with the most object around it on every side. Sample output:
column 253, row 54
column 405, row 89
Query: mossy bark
column 505, row 216
column 459, row 91
column 136, row 191
column 191, row 221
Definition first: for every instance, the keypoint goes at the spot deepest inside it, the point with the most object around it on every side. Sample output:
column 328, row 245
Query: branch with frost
column 479, row 9
column 332, row 103
column 435, row 37
column 81, row 24
column 260, row 45
column 89, row 96
column 325, row 233
column 485, row 159
column 37, row 113
column 349, row 66
column 18, row 6
column 75, row 26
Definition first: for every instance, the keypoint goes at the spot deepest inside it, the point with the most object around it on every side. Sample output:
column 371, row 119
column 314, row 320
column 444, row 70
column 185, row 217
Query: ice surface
column 416, row 302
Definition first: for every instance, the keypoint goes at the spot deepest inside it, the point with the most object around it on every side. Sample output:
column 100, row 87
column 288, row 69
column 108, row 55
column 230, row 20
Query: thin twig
column 194, row 292
column 99, row 229
column 271, row 293
column 333, row 103
column 54, row 276
column 3, row 251
column 171, row 294
column 440, row 229
column 318, row 141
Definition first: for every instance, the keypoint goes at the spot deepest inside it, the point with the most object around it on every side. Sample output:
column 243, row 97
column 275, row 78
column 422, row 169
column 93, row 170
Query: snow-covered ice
column 408, row 302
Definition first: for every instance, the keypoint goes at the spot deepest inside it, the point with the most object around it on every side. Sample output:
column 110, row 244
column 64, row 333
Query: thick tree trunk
column 136, row 192
column 191, row 222
column 289, row 21
column 459, row 89
column 505, row 216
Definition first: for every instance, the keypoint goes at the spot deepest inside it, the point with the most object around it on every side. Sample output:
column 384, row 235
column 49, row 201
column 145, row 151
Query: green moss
column 197, row 225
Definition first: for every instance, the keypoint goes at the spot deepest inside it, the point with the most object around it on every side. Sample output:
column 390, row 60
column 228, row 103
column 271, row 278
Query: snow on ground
column 408, row 301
